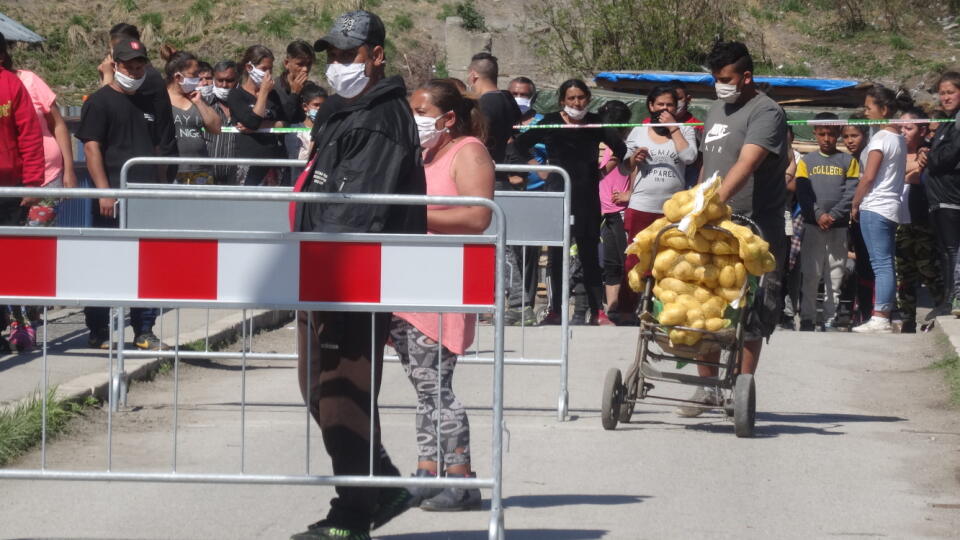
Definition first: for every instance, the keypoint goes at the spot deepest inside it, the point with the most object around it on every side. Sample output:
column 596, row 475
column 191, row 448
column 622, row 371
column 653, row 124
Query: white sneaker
column 876, row 325
column 703, row 394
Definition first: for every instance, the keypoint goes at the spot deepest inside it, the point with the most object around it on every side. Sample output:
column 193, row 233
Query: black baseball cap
column 128, row 49
column 353, row 29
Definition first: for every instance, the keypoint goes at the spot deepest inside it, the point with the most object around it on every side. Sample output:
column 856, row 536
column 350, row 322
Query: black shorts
column 765, row 311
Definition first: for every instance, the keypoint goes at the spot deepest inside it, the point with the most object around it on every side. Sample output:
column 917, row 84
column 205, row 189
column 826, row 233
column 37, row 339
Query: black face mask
column 655, row 119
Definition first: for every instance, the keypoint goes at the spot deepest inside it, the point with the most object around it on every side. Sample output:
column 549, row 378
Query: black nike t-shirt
column 126, row 126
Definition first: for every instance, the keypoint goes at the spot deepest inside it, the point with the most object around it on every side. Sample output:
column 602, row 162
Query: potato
column 713, row 310
column 667, row 296
column 665, row 260
column 679, row 243
column 688, row 302
column 683, row 271
column 699, row 324
column 673, row 314
column 673, row 210
column 707, row 275
column 741, row 272
column 716, row 324
column 723, row 246
column 701, row 294
column 694, row 315
column 711, row 235
column 728, row 276
column 696, row 258
column 635, row 279
column 700, row 243
column 727, row 293
column 677, row 286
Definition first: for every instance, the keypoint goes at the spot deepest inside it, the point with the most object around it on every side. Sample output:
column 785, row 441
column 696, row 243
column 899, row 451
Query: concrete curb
column 222, row 331
column 950, row 326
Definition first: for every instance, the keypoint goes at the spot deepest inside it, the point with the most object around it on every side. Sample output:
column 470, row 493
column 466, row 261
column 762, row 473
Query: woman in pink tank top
column 456, row 163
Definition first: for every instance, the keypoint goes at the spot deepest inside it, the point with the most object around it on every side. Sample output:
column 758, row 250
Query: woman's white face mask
column 188, row 84
column 427, row 128
column 575, row 114
column 256, row 74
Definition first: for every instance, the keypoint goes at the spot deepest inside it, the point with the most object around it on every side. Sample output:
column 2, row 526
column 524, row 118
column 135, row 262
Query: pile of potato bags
column 699, row 271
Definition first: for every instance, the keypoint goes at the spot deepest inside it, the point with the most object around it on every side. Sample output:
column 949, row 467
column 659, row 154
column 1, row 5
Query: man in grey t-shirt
column 745, row 141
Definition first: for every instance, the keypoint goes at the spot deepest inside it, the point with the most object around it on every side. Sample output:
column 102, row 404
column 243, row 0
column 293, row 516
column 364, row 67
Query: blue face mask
column 312, row 114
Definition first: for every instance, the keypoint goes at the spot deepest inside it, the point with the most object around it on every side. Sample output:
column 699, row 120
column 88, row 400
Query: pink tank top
column 459, row 329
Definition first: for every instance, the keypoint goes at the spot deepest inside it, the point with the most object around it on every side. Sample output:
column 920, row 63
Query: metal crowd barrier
column 63, row 274
column 534, row 218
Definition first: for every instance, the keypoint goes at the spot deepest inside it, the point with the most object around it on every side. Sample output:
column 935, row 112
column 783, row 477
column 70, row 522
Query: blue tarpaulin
column 14, row 31
column 824, row 85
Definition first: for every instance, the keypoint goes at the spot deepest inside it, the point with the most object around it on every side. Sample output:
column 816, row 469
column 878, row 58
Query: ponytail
column 470, row 120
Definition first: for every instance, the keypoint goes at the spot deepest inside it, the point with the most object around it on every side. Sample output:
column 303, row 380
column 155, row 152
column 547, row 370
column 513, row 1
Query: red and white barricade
column 300, row 271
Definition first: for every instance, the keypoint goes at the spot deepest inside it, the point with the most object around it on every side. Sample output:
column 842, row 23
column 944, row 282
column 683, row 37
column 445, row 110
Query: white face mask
column 221, row 93
column 427, row 128
column 206, row 92
column 127, row 83
column 681, row 108
column 188, row 84
column 523, row 103
column 348, row 80
column 256, row 74
column 575, row 114
column 727, row 93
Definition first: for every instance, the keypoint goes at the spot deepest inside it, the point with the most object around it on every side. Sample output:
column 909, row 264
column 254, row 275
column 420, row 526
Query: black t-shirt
column 502, row 114
column 126, row 126
column 257, row 145
column 156, row 88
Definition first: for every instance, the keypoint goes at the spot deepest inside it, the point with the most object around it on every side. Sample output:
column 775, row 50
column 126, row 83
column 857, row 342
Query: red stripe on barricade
column 479, row 274
column 29, row 266
column 178, row 269
column 339, row 272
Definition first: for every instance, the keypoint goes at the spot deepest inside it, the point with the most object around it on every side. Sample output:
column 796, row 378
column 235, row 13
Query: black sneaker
column 908, row 327
column 393, row 502
column 147, row 341
column 578, row 319
column 324, row 530
column 787, row 323
column 98, row 340
column 5, row 346
column 453, row 499
column 807, row 326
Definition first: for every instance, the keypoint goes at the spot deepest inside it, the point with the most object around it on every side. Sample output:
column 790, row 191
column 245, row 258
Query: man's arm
column 98, row 173
column 751, row 156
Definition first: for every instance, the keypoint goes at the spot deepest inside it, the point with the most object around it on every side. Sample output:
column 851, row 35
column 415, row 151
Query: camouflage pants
column 917, row 261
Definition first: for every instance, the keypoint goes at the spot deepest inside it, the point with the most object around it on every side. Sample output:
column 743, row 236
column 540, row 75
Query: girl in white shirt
column 877, row 201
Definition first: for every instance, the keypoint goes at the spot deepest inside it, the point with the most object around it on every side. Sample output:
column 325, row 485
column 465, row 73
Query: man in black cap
column 117, row 123
column 364, row 141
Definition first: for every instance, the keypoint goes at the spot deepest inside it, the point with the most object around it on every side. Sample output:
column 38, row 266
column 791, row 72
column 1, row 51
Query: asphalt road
column 854, row 440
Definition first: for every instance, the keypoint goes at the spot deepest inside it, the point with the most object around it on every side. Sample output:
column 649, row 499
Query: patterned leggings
column 419, row 356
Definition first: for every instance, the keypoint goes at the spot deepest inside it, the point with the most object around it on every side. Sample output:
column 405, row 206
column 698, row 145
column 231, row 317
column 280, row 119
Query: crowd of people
column 867, row 226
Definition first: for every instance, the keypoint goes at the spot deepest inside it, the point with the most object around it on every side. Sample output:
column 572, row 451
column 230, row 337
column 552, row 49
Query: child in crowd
column 855, row 139
column 614, row 197
column 826, row 181
column 793, row 230
column 876, row 202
